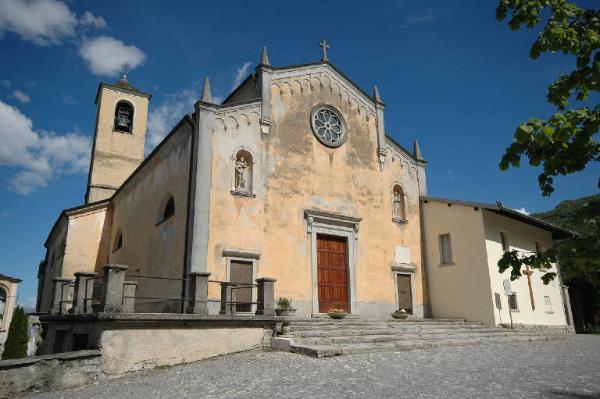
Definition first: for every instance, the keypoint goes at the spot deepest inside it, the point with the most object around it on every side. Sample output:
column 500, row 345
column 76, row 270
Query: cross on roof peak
column 325, row 47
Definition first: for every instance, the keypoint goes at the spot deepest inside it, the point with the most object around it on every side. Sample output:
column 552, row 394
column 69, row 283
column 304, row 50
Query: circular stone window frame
column 338, row 114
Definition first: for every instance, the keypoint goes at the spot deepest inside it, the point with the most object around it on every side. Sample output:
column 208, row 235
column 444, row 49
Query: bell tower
column 119, row 137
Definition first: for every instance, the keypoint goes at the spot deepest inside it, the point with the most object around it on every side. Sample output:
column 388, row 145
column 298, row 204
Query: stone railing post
column 227, row 298
column 266, row 296
column 198, row 293
column 82, row 295
column 61, row 295
column 129, row 289
column 112, row 288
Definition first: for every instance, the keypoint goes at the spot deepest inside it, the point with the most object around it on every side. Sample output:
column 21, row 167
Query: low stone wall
column 126, row 350
column 42, row 373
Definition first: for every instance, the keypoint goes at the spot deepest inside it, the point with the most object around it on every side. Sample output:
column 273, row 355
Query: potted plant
column 284, row 307
column 400, row 314
column 337, row 313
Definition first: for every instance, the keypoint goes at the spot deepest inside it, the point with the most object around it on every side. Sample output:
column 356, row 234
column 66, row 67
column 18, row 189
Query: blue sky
column 450, row 75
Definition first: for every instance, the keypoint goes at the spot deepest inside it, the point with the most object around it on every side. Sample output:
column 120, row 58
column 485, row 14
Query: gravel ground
column 564, row 368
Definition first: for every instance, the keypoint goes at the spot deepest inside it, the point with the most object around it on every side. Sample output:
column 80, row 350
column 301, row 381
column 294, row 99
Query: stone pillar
column 379, row 108
column 82, row 296
column 200, row 185
column 61, row 295
column 264, row 74
column 227, row 298
column 112, row 288
column 198, row 293
column 266, row 296
column 129, row 289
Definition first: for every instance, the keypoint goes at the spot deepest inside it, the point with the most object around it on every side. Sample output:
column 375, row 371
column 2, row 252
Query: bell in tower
column 123, row 117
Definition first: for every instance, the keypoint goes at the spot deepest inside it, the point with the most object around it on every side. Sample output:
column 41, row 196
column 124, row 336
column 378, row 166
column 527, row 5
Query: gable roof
column 558, row 233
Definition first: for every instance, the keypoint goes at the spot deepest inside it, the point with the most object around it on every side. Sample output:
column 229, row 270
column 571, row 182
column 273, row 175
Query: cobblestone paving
column 565, row 368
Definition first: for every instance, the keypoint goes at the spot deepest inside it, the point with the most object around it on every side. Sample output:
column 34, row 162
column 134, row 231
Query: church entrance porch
column 332, row 273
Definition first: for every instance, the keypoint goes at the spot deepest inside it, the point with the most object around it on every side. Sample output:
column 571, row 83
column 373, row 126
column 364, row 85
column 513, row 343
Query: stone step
column 356, row 348
column 388, row 331
column 378, row 323
column 404, row 337
column 393, row 329
column 371, row 321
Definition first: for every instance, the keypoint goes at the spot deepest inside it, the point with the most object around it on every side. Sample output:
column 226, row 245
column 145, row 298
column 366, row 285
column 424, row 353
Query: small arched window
column 118, row 244
column 398, row 204
column 124, row 117
column 242, row 172
column 3, row 299
column 169, row 209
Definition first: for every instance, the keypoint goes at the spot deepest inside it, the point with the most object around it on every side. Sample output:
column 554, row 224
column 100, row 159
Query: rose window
column 328, row 125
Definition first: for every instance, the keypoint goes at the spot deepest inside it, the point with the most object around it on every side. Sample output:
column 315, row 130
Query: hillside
column 563, row 214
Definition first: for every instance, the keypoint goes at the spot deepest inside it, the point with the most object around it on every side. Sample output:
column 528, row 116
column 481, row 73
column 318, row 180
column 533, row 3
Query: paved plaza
column 563, row 368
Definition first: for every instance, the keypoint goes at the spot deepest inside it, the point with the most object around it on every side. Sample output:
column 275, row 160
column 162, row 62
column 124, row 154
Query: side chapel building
column 292, row 176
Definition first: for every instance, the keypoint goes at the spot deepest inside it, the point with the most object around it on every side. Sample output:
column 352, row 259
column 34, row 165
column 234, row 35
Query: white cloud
column 5, row 83
column 240, row 74
column 108, row 56
column 39, row 156
column 22, row 97
column 163, row 118
column 89, row 19
column 523, row 211
column 43, row 22
column 68, row 99
column 425, row 16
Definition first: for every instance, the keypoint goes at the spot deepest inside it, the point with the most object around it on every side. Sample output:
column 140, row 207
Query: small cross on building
column 325, row 47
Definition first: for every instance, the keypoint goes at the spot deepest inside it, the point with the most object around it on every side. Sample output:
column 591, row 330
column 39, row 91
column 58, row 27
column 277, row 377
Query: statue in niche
column 398, row 205
column 241, row 174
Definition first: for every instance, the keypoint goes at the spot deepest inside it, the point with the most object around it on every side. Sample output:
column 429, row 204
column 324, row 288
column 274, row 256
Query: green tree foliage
column 565, row 142
column 18, row 333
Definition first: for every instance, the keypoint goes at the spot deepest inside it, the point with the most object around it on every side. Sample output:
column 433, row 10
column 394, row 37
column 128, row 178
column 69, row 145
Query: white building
column 463, row 243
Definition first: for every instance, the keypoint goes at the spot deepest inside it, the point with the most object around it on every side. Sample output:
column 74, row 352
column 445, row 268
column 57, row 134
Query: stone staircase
column 323, row 337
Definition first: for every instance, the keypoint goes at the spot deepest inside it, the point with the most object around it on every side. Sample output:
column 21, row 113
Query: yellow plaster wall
column 460, row 290
column 55, row 251
column 151, row 247
column 86, row 249
column 522, row 237
column 293, row 172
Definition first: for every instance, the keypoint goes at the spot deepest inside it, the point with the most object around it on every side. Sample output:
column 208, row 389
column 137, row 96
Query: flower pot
column 400, row 315
column 337, row 315
column 285, row 312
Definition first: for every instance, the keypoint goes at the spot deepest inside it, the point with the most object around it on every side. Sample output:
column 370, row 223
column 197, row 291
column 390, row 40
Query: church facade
column 292, row 177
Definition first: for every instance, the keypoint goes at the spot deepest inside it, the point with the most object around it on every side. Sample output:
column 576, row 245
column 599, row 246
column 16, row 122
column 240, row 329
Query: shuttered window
column 445, row 249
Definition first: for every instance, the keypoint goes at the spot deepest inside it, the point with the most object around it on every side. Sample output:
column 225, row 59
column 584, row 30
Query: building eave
column 558, row 233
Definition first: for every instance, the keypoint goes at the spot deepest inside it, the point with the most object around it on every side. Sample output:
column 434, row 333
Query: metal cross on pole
column 325, row 47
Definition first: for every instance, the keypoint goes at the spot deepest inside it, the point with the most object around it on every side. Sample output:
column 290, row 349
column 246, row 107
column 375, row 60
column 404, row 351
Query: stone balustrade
column 119, row 295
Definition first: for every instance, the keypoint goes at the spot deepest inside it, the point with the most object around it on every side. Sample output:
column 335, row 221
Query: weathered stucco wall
column 87, row 239
column 294, row 172
column 462, row 289
column 522, row 237
column 152, row 246
column 116, row 155
column 137, row 349
column 55, row 251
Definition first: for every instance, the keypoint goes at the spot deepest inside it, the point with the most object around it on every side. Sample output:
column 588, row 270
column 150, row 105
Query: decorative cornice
column 241, row 253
